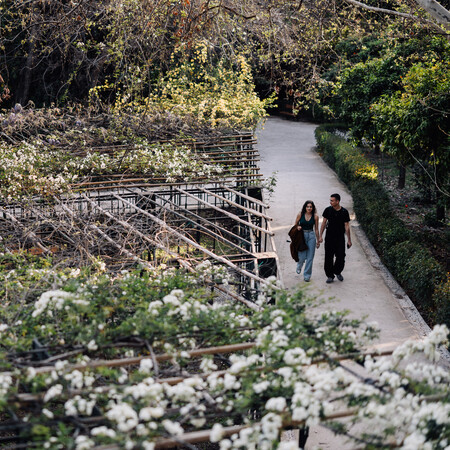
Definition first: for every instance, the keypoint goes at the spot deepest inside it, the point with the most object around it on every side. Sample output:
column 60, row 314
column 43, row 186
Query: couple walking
column 336, row 220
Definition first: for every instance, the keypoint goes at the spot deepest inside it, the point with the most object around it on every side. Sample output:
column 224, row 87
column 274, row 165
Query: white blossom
column 103, row 431
column 83, row 442
column 173, row 428
column 414, row 441
column 5, row 383
column 216, row 433
column 92, row 345
column 146, row 365
column 271, row 424
column 148, row 445
column 296, row 356
column 207, row 365
column 148, row 413
column 124, row 415
column 276, row 404
column 47, row 413
column 261, row 387
column 51, row 299
column 53, row 392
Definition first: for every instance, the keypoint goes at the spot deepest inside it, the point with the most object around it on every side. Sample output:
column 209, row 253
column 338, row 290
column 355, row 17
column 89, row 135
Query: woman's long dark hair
column 305, row 205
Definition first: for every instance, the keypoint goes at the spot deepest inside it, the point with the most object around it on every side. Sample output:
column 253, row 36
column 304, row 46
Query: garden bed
column 416, row 213
column 402, row 244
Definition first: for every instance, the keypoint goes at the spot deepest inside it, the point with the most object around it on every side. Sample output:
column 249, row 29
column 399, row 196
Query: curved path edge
column 404, row 302
column 369, row 290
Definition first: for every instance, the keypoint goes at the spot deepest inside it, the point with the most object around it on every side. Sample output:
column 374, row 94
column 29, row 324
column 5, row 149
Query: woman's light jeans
column 307, row 255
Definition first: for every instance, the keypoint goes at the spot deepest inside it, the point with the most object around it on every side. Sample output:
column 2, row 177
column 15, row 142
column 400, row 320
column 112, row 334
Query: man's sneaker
column 340, row 277
column 330, row 280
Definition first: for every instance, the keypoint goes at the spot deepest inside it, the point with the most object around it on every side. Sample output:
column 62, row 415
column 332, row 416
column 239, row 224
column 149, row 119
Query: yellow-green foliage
column 355, row 163
column 348, row 161
column 213, row 94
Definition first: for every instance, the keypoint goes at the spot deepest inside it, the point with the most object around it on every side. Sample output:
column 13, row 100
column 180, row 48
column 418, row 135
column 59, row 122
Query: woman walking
column 308, row 221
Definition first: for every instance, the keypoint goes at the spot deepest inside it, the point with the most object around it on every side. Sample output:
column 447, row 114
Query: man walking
column 337, row 222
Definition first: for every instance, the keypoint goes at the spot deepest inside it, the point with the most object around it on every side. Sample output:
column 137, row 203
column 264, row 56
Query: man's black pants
column 334, row 256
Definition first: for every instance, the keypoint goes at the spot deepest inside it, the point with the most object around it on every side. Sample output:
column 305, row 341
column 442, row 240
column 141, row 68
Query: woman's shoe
column 299, row 269
column 307, row 280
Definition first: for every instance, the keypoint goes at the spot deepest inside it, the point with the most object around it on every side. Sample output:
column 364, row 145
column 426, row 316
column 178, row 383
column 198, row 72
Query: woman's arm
column 297, row 220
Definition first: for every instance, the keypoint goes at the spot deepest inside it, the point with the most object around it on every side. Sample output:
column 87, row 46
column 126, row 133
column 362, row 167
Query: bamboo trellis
column 188, row 437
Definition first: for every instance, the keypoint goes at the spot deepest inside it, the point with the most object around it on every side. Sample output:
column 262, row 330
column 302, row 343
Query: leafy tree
column 370, row 69
column 59, row 50
column 373, row 68
column 413, row 125
column 360, row 86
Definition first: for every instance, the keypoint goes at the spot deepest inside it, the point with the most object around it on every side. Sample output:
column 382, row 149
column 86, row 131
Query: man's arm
column 322, row 228
column 347, row 232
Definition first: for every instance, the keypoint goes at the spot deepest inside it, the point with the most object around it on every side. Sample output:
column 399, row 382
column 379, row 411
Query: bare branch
column 437, row 11
column 391, row 12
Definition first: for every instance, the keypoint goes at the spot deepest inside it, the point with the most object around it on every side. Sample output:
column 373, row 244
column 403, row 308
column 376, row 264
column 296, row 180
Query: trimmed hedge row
column 400, row 249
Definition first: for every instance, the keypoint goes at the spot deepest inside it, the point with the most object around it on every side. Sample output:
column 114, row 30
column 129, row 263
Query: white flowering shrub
column 39, row 168
column 31, row 168
column 94, row 309
column 289, row 375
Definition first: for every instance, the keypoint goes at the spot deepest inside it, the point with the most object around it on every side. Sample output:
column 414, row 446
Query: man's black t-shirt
column 336, row 221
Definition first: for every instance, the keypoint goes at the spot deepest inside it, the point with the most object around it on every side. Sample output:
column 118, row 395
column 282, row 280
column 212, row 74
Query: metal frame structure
column 128, row 218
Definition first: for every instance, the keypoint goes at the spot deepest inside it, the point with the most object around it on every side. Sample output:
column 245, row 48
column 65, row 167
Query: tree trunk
column 440, row 206
column 376, row 149
column 401, row 176
column 25, row 82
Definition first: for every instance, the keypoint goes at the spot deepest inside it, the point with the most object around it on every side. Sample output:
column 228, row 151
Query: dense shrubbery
column 441, row 301
column 403, row 253
column 288, row 374
column 198, row 89
column 219, row 96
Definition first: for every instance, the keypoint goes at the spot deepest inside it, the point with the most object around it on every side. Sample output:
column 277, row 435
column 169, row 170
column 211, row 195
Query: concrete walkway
column 288, row 148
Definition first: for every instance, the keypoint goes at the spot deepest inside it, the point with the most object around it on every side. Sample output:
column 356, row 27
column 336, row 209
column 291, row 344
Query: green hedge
column 348, row 162
column 400, row 249
column 441, row 296
column 372, row 205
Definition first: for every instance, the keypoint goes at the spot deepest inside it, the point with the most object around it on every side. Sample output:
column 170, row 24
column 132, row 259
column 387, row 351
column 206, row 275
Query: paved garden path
column 288, row 148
